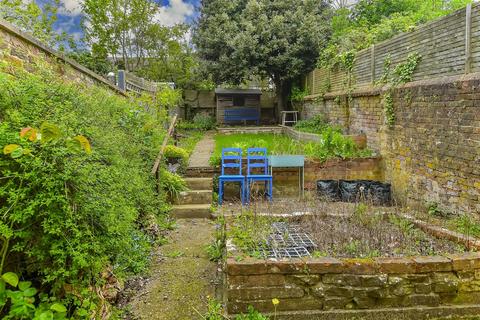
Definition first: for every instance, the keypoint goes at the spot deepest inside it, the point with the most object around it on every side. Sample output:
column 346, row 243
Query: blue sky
column 171, row 12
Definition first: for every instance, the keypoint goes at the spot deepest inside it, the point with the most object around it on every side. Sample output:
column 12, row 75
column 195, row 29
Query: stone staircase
column 194, row 203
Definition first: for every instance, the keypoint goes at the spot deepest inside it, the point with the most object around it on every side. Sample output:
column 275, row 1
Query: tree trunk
column 282, row 90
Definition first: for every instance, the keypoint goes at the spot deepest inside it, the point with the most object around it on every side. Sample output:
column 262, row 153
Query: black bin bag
column 328, row 190
column 380, row 193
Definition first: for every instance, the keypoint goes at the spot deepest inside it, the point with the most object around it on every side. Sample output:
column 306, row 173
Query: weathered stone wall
column 432, row 153
column 322, row 284
column 22, row 50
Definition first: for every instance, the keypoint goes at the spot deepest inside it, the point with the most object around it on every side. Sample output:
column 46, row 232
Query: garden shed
column 238, row 106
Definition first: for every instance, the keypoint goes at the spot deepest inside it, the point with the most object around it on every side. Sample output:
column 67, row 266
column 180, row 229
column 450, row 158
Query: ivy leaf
column 45, row 315
column 17, row 153
column 29, row 292
column 24, row 285
column 10, row 278
column 58, row 307
column 10, row 148
column 2, row 288
column 29, row 133
column 49, row 131
column 84, row 143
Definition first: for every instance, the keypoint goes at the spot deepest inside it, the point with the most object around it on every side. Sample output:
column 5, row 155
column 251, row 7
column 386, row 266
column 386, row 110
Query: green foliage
column 405, row 226
column 172, row 183
column 389, row 109
column 434, row 210
column 372, row 21
column 215, row 311
column 201, row 121
column 403, row 72
column 100, row 65
column 23, row 301
column 169, row 98
column 297, row 94
column 249, row 232
column 252, row 314
column 316, row 124
column 66, row 214
column 174, row 152
column 216, row 249
column 467, row 225
column 279, row 39
column 332, row 145
column 34, row 18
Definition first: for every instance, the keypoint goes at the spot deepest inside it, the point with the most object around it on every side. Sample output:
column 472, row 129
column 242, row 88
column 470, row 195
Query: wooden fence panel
column 448, row 46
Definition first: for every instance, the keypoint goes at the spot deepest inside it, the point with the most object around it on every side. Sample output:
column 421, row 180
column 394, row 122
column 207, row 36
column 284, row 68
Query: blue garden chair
column 257, row 161
column 232, row 161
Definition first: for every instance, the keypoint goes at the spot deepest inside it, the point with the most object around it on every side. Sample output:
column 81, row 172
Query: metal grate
column 288, row 241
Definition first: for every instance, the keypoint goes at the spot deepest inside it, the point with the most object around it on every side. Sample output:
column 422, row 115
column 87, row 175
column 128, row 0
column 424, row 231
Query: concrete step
column 195, row 197
column 192, row 211
column 199, row 183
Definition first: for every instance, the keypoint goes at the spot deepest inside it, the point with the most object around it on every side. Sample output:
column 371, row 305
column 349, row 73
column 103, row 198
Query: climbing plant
column 402, row 73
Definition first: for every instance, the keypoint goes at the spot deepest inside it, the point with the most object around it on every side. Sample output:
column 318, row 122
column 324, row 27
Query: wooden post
column 164, row 144
column 313, row 82
column 468, row 39
column 372, row 63
column 122, row 80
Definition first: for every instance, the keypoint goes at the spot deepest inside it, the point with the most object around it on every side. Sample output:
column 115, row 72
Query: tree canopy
column 280, row 40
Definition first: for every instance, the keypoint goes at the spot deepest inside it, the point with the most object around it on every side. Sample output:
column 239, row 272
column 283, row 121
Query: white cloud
column 176, row 12
column 71, row 7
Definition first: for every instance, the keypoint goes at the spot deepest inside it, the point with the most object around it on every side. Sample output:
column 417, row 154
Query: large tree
column 279, row 40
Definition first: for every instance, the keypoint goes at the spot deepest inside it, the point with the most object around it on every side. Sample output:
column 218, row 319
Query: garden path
column 202, row 152
column 181, row 275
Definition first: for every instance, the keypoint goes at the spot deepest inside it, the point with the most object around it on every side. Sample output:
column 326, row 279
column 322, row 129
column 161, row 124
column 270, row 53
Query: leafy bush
column 297, row 94
column 24, row 302
column 172, row 183
column 200, row 121
column 174, row 152
column 315, row 124
column 71, row 215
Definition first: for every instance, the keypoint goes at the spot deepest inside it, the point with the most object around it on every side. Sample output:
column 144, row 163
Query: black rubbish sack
column 380, row 193
column 328, row 190
column 354, row 190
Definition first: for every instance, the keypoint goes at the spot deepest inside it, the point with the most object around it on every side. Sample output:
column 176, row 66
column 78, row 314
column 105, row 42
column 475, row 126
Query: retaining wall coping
column 31, row 40
column 326, row 265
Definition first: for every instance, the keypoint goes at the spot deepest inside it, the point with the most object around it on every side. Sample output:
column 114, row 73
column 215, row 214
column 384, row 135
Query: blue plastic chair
column 231, row 159
column 257, row 160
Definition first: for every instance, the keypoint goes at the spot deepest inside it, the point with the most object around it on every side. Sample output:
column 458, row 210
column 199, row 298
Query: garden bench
column 242, row 114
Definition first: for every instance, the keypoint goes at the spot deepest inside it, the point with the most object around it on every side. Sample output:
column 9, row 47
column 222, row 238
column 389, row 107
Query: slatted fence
column 448, row 46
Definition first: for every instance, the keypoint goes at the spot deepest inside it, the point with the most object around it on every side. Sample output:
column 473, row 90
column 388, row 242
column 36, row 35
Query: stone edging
column 31, row 40
column 419, row 264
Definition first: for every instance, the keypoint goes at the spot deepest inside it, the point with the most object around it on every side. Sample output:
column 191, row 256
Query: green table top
column 286, row 161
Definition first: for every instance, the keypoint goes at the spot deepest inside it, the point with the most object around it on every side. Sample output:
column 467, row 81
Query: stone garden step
column 199, row 183
column 194, row 197
column 187, row 211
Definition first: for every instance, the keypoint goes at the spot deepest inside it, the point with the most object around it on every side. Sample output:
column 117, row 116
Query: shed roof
column 221, row 91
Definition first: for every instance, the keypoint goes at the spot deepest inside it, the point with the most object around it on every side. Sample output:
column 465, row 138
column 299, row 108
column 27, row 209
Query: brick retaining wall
column 315, row 286
column 432, row 154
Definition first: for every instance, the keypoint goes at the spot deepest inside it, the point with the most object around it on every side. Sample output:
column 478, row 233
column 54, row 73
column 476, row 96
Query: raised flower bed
column 408, row 275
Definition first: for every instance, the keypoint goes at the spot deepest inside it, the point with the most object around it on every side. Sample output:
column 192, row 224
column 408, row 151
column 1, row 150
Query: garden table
column 290, row 161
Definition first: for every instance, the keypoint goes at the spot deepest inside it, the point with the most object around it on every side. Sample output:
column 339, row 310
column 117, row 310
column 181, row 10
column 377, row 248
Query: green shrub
column 315, row 124
column 174, row 152
column 200, row 121
column 68, row 216
column 172, row 183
